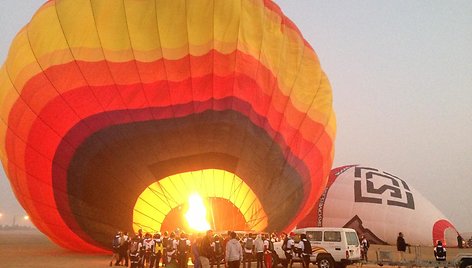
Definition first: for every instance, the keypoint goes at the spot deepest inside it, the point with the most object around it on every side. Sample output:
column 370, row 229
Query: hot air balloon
column 115, row 112
column 379, row 205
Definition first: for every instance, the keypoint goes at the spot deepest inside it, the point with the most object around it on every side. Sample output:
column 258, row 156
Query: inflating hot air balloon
column 379, row 205
column 115, row 112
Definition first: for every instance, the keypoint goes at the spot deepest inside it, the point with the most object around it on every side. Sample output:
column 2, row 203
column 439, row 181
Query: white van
column 330, row 246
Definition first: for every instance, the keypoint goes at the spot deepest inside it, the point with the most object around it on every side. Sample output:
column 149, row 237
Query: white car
column 330, row 246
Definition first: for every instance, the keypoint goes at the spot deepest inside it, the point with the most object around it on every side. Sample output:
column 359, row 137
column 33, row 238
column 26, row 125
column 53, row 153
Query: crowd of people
column 173, row 250
column 439, row 250
column 176, row 248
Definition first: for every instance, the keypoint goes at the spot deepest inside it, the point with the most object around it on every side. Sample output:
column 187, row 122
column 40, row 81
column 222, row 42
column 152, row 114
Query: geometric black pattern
column 374, row 186
column 356, row 224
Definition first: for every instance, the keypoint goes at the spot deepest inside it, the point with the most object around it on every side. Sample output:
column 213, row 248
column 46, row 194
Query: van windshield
column 352, row 239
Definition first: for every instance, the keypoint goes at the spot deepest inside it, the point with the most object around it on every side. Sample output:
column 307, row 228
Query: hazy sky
column 401, row 73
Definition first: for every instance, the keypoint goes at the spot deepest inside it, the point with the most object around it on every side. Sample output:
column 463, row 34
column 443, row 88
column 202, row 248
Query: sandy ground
column 33, row 249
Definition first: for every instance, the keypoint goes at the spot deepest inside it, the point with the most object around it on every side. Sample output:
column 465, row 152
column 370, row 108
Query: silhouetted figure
column 459, row 241
column 401, row 246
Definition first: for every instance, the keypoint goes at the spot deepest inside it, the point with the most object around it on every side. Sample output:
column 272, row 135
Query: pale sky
column 401, row 73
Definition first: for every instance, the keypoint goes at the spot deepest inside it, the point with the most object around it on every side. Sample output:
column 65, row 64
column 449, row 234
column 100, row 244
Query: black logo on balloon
column 374, row 186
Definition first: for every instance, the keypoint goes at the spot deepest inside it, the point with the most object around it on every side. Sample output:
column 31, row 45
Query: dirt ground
column 33, row 249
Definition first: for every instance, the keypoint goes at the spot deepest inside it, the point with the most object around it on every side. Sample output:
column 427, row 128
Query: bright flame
column 26, row 217
column 196, row 214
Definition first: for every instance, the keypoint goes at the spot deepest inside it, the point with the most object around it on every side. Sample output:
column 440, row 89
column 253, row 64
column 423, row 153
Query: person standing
column 124, row 249
column 157, row 251
column 460, row 242
column 288, row 245
column 268, row 249
column 217, row 246
column 225, row 242
column 248, row 243
column 165, row 241
column 183, row 249
column 148, row 245
column 305, row 250
column 401, row 246
column 233, row 252
column 205, row 249
column 171, row 250
column 134, row 248
column 116, row 244
column 364, row 248
column 259, row 250
column 196, row 241
column 440, row 251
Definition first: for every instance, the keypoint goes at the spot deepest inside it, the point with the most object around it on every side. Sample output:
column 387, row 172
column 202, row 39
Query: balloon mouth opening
column 198, row 201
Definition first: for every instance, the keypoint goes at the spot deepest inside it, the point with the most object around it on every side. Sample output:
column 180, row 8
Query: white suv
column 330, row 246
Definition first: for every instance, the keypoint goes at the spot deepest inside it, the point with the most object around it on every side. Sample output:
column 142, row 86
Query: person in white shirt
column 259, row 249
column 304, row 249
column 268, row 247
column 288, row 245
column 233, row 252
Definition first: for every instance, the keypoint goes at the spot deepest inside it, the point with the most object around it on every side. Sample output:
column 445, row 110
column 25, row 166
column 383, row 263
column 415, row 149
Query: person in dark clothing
column 288, row 245
column 195, row 243
column 124, row 249
column 218, row 251
column 157, row 250
column 401, row 246
column 165, row 241
column 440, row 251
column 205, row 250
column 134, row 248
column 248, row 248
column 183, row 249
column 305, row 250
column 460, row 241
column 116, row 244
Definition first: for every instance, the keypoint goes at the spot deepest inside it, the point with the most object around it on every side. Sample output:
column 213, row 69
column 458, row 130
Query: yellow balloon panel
column 153, row 205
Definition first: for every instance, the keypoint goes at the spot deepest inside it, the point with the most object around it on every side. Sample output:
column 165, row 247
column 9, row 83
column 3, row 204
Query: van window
column 314, row 235
column 332, row 236
column 352, row 239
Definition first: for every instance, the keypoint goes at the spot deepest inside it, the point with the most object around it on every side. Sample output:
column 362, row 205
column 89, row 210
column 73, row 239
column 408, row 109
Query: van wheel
column 325, row 262
column 466, row 263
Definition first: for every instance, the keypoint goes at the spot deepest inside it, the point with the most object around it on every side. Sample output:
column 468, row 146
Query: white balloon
column 379, row 205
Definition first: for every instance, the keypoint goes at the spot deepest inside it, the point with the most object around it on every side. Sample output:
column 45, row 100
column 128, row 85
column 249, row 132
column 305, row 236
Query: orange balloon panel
column 101, row 99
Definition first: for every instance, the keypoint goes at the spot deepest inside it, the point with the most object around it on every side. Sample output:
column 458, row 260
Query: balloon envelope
column 379, row 205
column 104, row 102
